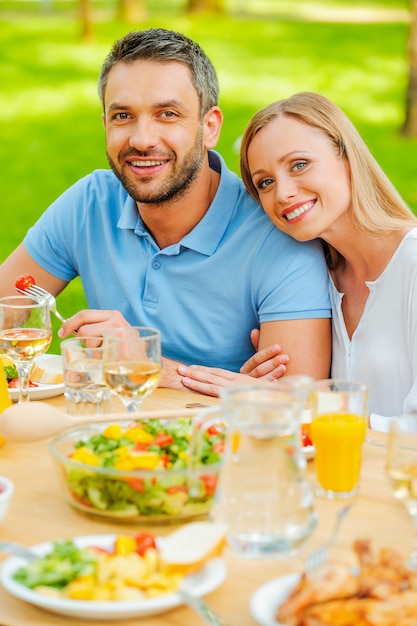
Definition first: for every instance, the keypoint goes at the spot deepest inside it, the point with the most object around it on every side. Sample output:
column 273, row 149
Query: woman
column 304, row 161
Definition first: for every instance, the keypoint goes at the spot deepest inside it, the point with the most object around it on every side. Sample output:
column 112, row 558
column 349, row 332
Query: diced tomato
column 138, row 484
column 80, row 500
column 213, row 430
column 144, row 541
column 210, row 483
column 162, row 440
column 24, row 281
column 305, row 435
column 14, row 384
column 177, row 489
column 141, row 446
column 219, row 447
column 165, row 459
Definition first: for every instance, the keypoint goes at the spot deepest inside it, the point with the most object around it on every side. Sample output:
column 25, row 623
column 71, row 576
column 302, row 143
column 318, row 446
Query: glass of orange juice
column 339, row 415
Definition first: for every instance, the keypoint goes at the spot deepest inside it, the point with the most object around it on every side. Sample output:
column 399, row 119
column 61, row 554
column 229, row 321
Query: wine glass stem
column 23, row 370
column 132, row 406
column 412, row 509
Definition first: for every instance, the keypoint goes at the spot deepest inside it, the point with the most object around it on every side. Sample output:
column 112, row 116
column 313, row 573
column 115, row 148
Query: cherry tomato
column 144, row 541
column 24, row 281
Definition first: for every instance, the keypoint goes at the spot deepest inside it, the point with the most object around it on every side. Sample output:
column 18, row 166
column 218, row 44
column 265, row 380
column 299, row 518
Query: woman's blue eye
column 299, row 166
column 263, row 184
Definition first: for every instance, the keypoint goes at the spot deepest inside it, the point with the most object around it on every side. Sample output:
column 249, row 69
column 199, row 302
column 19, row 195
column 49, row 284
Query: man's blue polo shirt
column 233, row 271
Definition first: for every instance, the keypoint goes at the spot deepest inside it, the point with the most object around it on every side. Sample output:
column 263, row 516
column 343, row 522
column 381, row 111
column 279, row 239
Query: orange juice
column 338, row 439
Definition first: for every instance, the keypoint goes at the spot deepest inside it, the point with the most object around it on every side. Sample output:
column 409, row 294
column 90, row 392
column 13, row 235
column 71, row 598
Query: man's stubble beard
column 176, row 186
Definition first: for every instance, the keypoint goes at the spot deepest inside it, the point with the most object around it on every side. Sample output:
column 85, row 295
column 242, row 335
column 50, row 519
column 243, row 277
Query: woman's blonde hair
column 377, row 207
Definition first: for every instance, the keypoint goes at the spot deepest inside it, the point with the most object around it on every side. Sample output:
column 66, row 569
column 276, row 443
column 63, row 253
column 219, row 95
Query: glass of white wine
column 25, row 334
column 132, row 363
column 402, row 468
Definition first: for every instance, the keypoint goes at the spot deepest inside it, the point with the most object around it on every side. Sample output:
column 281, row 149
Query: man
column 170, row 238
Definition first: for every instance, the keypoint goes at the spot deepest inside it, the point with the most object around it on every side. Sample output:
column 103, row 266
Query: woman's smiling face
column 303, row 183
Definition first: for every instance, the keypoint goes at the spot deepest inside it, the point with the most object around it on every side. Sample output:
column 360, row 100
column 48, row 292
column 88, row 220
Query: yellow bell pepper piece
column 124, row 544
column 84, row 455
column 139, row 434
column 113, row 431
column 142, row 460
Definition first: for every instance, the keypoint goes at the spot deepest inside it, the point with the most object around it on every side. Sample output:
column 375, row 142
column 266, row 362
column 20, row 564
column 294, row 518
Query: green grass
column 50, row 127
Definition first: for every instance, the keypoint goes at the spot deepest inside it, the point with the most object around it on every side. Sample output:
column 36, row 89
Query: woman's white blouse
column 383, row 350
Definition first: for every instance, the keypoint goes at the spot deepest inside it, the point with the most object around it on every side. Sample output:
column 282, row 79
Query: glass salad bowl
column 138, row 470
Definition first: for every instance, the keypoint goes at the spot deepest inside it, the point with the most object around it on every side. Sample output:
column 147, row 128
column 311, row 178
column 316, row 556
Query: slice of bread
column 186, row 550
column 48, row 371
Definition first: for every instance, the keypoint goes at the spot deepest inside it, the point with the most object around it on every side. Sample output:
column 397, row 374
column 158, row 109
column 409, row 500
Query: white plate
column 199, row 584
column 265, row 601
column 41, row 392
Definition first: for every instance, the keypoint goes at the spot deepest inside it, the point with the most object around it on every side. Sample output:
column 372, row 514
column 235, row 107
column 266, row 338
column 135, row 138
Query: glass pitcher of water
column 263, row 494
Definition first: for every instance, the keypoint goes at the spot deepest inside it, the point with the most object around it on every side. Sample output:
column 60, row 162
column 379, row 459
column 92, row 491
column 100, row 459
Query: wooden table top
column 38, row 513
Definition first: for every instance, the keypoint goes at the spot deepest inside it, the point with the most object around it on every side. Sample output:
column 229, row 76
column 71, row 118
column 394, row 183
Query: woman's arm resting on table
column 307, row 347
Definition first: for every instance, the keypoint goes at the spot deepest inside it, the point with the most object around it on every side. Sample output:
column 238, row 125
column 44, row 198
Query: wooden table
column 39, row 513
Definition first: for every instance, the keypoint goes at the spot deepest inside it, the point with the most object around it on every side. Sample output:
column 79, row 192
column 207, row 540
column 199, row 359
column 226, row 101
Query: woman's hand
column 210, row 380
column 268, row 363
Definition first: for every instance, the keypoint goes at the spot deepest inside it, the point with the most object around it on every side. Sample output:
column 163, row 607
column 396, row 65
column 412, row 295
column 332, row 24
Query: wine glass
column 132, row 363
column 402, row 468
column 25, row 334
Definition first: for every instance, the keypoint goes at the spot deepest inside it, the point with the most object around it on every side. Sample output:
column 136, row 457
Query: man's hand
column 170, row 376
column 92, row 323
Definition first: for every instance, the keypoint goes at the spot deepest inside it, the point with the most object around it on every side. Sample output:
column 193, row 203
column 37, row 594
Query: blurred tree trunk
column 410, row 125
column 132, row 11
column 212, row 6
column 87, row 31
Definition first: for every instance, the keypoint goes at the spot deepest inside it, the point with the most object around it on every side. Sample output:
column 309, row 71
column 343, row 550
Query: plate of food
column 46, row 380
column 110, row 577
column 265, row 601
column 380, row 591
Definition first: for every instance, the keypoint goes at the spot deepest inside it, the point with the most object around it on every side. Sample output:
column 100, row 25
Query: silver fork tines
column 40, row 294
column 321, row 555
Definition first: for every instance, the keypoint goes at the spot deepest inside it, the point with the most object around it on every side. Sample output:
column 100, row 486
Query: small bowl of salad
column 6, row 493
column 139, row 470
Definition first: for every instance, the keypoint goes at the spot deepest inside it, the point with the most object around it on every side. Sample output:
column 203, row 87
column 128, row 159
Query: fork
column 320, row 556
column 10, row 547
column 40, row 294
column 201, row 608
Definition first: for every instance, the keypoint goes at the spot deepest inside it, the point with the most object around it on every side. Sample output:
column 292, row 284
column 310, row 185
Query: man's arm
column 20, row 262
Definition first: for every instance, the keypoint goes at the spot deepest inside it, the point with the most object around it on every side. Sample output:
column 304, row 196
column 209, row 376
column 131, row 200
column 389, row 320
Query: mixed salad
column 130, row 569
column 140, row 470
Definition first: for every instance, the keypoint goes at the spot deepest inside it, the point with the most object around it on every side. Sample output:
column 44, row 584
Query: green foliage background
column 50, row 127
